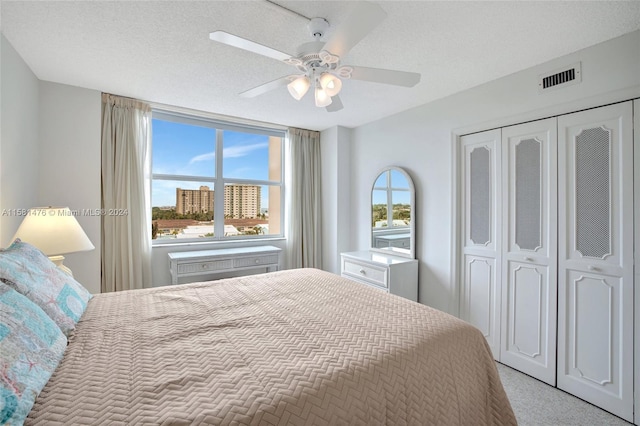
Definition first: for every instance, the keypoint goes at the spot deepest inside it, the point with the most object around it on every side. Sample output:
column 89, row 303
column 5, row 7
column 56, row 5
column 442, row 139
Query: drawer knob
column 205, row 266
column 257, row 260
column 594, row 268
column 363, row 272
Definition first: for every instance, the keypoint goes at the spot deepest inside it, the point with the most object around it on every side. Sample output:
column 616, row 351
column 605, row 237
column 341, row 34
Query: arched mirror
column 393, row 213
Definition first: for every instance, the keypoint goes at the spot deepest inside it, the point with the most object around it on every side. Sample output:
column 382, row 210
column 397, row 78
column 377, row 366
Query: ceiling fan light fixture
column 330, row 84
column 318, row 62
column 299, row 87
column 322, row 98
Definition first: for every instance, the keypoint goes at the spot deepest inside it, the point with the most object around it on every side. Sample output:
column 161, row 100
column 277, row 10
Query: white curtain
column 126, row 225
column 304, row 239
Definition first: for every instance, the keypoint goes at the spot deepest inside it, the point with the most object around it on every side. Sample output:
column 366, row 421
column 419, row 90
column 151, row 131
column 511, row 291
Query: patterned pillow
column 28, row 271
column 31, row 346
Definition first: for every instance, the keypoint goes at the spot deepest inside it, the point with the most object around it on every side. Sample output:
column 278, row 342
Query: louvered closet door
column 529, row 262
column 480, row 295
column 595, row 255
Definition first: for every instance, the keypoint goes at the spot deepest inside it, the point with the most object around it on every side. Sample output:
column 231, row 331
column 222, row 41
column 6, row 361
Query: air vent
column 560, row 78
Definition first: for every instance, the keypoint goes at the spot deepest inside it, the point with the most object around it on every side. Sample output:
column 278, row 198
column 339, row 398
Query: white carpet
column 535, row 403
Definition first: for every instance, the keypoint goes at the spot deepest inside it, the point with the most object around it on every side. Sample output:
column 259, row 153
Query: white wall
column 336, row 199
column 422, row 141
column 69, row 165
column 18, row 139
column 49, row 154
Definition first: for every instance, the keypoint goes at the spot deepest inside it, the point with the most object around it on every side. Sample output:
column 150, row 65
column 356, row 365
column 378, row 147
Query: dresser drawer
column 243, row 262
column 404, row 243
column 370, row 273
column 213, row 265
column 222, row 261
column 394, row 274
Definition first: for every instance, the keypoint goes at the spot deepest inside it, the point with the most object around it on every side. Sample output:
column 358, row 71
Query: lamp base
column 57, row 260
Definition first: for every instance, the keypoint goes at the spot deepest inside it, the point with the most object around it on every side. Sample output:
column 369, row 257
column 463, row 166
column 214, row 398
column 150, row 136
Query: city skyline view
column 184, row 175
column 189, row 150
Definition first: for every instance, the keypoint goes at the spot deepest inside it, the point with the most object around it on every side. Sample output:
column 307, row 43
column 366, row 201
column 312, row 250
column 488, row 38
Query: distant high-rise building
column 194, row 200
column 240, row 201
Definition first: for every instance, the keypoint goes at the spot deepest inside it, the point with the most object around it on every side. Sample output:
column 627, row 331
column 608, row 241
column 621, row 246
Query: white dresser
column 211, row 262
column 393, row 274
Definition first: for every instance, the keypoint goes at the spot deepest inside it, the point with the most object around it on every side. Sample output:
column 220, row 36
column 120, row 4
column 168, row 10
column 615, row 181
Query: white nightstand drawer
column 394, row 274
column 377, row 276
column 243, row 262
column 190, row 268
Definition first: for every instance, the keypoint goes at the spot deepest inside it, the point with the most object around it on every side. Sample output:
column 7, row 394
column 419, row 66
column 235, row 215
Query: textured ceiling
column 160, row 50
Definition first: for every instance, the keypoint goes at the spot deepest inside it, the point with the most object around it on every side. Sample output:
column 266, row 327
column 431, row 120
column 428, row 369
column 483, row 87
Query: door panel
column 529, row 284
column 593, row 348
column 480, row 293
column 480, row 278
column 528, row 309
column 595, row 269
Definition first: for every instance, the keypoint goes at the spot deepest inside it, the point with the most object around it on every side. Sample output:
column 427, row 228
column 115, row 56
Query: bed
column 299, row 347
column 296, row 347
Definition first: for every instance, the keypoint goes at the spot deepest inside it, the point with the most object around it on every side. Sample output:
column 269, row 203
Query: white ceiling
column 160, row 50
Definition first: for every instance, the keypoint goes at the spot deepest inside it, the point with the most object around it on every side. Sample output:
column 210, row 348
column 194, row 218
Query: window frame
column 218, row 180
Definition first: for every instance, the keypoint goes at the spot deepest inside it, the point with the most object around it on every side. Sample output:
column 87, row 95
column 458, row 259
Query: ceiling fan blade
column 267, row 87
column 364, row 18
column 245, row 44
column 335, row 105
column 378, row 75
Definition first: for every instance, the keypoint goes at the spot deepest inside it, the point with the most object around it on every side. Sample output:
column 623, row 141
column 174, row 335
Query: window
column 214, row 180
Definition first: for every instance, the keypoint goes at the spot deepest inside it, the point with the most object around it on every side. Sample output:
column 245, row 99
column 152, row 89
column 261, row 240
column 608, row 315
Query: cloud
column 231, row 152
column 203, row 157
column 242, row 150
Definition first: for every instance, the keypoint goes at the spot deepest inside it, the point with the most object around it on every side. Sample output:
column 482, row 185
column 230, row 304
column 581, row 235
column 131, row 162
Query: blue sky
column 397, row 181
column 184, row 149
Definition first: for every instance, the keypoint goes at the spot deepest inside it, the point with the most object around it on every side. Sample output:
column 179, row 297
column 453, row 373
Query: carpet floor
column 536, row 404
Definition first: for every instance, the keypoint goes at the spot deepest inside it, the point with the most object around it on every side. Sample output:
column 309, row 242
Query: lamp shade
column 54, row 230
column 299, row 87
column 322, row 98
column 330, row 84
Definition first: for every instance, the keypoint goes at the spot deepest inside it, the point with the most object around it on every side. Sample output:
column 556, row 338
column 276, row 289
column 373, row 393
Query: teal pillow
column 28, row 271
column 31, row 346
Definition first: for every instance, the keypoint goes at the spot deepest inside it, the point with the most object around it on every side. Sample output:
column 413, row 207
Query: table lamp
column 55, row 231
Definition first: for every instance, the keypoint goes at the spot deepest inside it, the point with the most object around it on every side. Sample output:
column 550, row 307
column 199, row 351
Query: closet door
column 595, row 257
column 529, row 261
column 480, row 295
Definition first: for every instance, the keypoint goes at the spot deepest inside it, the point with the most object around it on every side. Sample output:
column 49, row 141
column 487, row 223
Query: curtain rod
column 215, row 116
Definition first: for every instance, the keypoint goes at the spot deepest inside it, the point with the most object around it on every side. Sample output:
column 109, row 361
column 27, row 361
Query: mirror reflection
column 392, row 213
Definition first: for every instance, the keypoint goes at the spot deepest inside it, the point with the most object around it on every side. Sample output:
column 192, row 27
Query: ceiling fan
column 318, row 62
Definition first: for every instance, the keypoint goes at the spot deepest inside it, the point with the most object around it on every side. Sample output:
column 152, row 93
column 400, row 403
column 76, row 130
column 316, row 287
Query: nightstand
column 393, row 274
